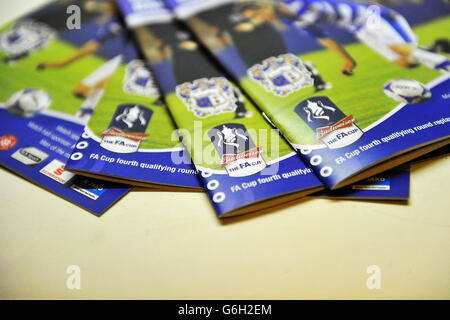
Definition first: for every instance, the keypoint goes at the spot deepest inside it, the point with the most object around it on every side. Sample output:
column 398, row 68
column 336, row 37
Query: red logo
column 7, row 142
column 322, row 132
column 229, row 158
column 113, row 132
column 60, row 170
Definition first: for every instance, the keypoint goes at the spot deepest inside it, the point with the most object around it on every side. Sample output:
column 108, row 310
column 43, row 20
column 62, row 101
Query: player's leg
column 415, row 54
column 82, row 91
column 440, row 46
column 93, row 86
column 99, row 78
column 319, row 83
column 430, row 59
column 334, row 46
column 88, row 106
column 383, row 36
column 241, row 110
column 393, row 38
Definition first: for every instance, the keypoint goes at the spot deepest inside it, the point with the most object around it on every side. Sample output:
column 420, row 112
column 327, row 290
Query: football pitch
column 59, row 83
column 360, row 95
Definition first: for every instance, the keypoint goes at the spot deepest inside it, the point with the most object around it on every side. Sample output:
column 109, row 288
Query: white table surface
column 171, row 245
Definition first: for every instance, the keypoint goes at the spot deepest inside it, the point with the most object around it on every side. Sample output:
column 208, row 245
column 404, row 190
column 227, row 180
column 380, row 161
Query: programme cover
column 130, row 137
column 43, row 103
column 355, row 88
column 244, row 164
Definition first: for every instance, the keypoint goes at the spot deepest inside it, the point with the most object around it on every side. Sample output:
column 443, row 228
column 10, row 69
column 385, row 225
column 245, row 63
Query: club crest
column 127, row 129
column 331, row 125
column 24, row 38
column 281, row 75
column 207, row 97
column 138, row 80
column 239, row 154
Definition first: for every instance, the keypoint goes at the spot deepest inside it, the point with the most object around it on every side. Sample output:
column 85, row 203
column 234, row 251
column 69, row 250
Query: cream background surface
column 161, row 245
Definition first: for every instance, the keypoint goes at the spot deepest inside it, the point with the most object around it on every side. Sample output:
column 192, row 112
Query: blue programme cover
column 42, row 105
column 140, row 12
column 244, row 164
column 130, row 137
column 37, row 148
column 355, row 88
column 390, row 185
column 393, row 184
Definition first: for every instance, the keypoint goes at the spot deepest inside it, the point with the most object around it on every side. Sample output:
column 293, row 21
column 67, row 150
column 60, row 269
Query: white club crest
column 25, row 37
column 138, row 80
column 206, row 97
column 281, row 75
column 316, row 110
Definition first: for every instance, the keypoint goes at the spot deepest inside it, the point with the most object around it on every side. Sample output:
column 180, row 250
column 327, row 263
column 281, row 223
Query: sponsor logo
column 207, row 97
column 24, row 38
column 138, row 80
column 374, row 183
column 55, row 170
column 239, row 155
column 127, row 129
column 30, row 156
column 281, row 75
column 332, row 126
column 88, row 188
column 7, row 142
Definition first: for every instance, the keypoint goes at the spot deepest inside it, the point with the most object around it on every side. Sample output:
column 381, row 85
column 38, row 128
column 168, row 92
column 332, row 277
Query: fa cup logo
column 331, row 125
column 239, row 155
column 127, row 129
column 317, row 110
column 132, row 117
column 229, row 137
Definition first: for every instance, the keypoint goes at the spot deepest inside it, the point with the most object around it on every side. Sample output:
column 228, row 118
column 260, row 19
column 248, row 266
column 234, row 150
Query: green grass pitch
column 360, row 95
column 59, row 83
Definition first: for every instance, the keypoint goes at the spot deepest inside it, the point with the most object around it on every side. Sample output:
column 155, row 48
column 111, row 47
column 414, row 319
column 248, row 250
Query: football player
column 319, row 83
column 92, row 87
column 111, row 27
column 245, row 25
column 380, row 28
column 186, row 59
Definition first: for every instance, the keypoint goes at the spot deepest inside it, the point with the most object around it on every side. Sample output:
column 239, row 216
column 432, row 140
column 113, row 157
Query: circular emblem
column 7, row 142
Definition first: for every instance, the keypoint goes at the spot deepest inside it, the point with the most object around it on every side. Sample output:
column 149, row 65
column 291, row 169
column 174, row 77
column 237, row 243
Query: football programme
column 130, row 137
column 80, row 104
column 244, row 165
column 51, row 83
column 355, row 88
